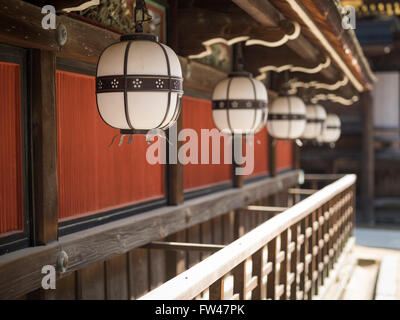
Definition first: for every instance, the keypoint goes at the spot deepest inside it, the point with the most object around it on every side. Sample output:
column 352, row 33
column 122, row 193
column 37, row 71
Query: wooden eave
column 209, row 19
column 326, row 16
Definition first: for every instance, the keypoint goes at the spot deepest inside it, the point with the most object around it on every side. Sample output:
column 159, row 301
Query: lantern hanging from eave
column 287, row 118
column 240, row 104
column 331, row 130
column 139, row 82
column 315, row 118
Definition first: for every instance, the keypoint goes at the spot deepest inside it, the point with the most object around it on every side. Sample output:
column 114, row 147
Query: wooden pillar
column 175, row 171
column 296, row 156
column 238, row 180
column 367, row 159
column 175, row 260
column 272, row 156
column 44, row 145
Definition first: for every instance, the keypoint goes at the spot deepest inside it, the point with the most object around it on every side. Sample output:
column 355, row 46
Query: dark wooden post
column 296, row 156
column 175, row 171
column 175, row 260
column 44, row 142
column 272, row 156
column 368, row 158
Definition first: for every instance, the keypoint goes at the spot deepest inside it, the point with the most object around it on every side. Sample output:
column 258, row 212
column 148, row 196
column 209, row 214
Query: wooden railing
column 291, row 256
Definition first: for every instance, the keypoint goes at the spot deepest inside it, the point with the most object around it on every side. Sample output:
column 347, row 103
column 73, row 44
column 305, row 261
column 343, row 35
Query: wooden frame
column 102, row 217
column 21, row 239
column 100, row 243
column 326, row 220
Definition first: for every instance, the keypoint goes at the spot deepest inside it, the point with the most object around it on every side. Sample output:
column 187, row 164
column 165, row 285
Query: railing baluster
column 271, row 282
column 311, row 265
column 217, row 290
column 261, row 270
column 320, row 244
column 294, row 261
column 325, row 251
column 303, row 256
column 283, row 265
column 244, row 281
column 239, row 275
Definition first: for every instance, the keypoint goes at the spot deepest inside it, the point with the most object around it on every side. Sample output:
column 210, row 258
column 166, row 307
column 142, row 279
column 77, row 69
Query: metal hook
column 121, row 141
column 112, row 141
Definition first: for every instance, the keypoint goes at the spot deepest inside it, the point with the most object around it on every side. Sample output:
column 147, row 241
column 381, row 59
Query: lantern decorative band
column 238, row 104
column 333, row 127
column 315, row 121
column 287, row 116
column 139, row 83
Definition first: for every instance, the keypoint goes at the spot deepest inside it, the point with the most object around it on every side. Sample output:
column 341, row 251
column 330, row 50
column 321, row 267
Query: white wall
column 386, row 100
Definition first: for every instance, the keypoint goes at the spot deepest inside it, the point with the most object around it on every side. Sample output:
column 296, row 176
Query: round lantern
column 315, row 118
column 287, row 118
column 139, row 84
column 239, row 104
column 331, row 129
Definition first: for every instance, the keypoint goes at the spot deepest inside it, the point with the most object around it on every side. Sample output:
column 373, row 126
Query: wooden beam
column 322, row 177
column 272, row 156
column 226, row 25
column 175, row 171
column 20, row 25
column 368, row 158
column 44, row 140
column 266, row 209
column 86, row 42
column 184, row 246
column 301, row 191
column 103, row 242
column 266, row 14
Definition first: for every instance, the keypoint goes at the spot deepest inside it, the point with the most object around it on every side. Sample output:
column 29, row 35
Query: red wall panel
column 11, row 215
column 284, row 155
column 93, row 176
column 197, row 115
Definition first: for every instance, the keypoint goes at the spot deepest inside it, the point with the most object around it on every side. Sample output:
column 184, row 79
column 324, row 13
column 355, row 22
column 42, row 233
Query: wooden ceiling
column 202, row 20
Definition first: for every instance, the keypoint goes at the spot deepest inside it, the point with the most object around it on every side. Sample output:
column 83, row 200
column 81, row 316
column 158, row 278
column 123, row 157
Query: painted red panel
column 11, row 216
column 92, row 176
column 284, row 155
column 197, row 115
column 260, row 153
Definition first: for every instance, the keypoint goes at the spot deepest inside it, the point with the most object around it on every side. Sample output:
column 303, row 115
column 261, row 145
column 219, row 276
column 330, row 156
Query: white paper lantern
column 240, row 104
column 139, row 84
column 287, row 118
column 331, row 129
column 315, row 117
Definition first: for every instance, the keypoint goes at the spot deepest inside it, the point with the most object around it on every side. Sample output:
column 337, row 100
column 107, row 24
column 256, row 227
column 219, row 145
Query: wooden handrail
column 184, row 246
column 207, row 273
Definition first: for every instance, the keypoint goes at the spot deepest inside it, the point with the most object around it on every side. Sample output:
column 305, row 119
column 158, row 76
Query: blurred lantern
column 240, row 102
column 139, row 81
column 287, row 118
column 315, row 118
column 331, row 129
